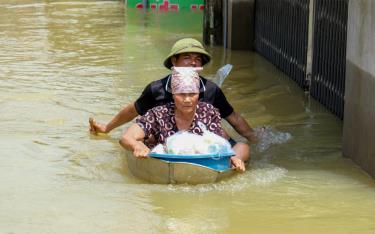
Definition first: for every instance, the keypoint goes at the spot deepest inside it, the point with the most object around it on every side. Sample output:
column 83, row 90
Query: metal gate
column 329, row 54
column 281, row 35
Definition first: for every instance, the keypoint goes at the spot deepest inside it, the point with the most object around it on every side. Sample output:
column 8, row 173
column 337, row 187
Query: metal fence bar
column 281, row 36
column 329, row 62
column 281, row 28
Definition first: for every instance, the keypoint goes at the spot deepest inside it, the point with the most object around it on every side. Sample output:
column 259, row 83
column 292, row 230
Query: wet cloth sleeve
column 210, row 116
column 148, row 123
column 159, row 122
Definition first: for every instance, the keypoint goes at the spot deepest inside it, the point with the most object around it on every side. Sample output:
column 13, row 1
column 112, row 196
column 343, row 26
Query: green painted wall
column 168, row 5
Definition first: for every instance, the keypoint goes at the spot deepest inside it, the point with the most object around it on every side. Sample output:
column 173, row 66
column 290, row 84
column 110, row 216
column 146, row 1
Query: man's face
column 187, row 60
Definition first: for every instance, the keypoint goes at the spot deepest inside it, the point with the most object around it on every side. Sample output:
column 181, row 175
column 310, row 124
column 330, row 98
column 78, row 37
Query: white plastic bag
column 159, row 149
column 215, row 143
column 185, row 143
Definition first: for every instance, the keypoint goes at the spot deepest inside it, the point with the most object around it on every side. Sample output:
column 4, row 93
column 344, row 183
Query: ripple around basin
column 254, row 177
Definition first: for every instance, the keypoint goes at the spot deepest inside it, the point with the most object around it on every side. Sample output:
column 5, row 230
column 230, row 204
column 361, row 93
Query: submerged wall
column 359, row 111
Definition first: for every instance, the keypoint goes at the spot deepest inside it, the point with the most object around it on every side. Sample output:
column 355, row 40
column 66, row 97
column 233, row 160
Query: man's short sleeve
column 145, row 101
column 221, row 103
column 215, row 96
column 153, row 95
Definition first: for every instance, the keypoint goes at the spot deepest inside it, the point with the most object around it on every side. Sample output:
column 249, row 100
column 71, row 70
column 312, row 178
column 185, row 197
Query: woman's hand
column 140, row 150
column 237, row 164
column 133, row 139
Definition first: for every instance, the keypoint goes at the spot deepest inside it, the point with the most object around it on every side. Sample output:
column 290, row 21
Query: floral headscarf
column 185, row 80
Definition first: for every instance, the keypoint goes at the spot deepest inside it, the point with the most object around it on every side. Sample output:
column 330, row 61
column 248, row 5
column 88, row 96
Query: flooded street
column 65, row 61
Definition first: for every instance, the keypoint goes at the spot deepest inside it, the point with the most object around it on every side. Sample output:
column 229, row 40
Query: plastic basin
column 217, row 162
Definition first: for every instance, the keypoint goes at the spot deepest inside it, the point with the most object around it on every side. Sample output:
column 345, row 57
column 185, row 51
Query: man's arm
column 127, row 114
column 241, row 126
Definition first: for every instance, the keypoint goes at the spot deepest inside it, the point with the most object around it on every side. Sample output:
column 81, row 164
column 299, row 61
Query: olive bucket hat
column 187, row 45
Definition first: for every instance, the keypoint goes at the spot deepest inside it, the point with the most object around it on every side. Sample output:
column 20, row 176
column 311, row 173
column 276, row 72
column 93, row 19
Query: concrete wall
column 240, row 24
column 359, row 114
column 229, row 23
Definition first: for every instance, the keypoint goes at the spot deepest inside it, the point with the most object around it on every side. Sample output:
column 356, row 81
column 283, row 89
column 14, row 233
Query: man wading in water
column 186, row 52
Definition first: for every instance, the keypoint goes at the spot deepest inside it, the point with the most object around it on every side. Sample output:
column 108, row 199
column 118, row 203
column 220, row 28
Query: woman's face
column 186, row 102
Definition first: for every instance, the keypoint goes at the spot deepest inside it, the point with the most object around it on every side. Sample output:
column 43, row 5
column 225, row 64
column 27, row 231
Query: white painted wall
column 361, row 34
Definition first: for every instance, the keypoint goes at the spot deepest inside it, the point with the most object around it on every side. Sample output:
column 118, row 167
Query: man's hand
column 242, row 127
column 96, row 128
column 252, row 137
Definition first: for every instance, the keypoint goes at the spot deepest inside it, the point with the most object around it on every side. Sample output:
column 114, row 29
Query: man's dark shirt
column 155, row 94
